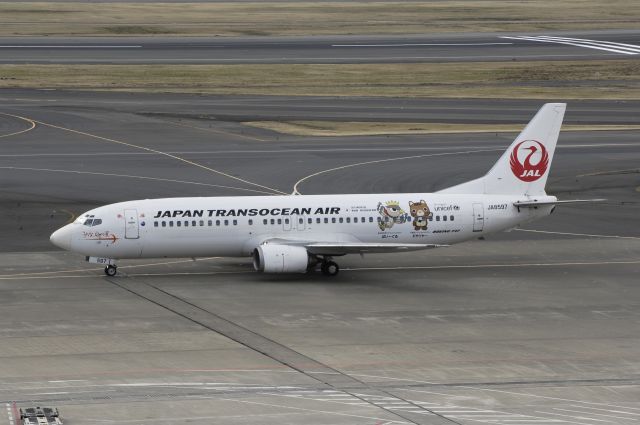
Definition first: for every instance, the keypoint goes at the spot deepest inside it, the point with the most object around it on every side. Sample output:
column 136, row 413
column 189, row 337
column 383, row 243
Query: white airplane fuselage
column 292, row 234
column 235, row 226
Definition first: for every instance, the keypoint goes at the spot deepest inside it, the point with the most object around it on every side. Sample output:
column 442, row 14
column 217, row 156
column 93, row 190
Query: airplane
column 296, row 233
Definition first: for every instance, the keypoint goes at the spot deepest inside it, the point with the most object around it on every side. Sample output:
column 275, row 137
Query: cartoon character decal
column 420, row 213
column 390, row 214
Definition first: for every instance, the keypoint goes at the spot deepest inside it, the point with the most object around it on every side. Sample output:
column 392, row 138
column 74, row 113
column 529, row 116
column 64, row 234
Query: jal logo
column 529, row 160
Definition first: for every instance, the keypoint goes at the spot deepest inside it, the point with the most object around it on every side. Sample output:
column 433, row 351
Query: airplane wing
column 534, row 203
column 342, row 248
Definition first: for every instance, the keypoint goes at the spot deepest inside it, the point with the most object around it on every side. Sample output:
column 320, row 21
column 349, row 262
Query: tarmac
column 535, row 326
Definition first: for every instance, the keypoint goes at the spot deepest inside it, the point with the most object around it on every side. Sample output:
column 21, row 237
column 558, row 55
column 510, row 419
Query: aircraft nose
column 62, row 237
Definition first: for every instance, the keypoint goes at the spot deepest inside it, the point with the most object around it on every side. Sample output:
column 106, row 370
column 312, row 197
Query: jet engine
column 281, row 259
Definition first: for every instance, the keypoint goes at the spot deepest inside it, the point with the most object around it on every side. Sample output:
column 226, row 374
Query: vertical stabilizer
column 524, row 167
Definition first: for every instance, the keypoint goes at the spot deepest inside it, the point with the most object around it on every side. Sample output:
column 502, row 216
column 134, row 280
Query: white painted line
column 420, row 44
column 606, row 410
column 310, row 410
column 58, row 46
column 623, row 46
column 583, row 418
column 483, row 266
column 590, row 413
column 589, row 44
column 577, row 234
column 134, row 177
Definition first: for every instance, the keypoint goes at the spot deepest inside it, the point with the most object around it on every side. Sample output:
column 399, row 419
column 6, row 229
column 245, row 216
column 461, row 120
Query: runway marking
column 607, row 410
column 313, row 410
column 58, row 46
column 33, row 125
column 609, row 46
column 120, row 267
column 577, row 234
column 354, row 269
column 419, row 44
column 576, row 417
column 495, row 390
column 310, row 150
column 485, row 266
column 590, row 413
column 297, row 192
column 135, row 177
column 186, row 161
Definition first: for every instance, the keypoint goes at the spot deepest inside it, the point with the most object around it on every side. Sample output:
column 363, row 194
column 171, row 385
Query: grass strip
column 612, row 79
column 309, row 17
column 341, row 128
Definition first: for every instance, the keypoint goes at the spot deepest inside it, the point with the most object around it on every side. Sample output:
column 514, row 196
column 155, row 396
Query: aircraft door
column 131, row 226
column 478, row 217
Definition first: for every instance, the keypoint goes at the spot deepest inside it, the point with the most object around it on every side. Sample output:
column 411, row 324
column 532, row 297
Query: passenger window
column 186, row 223
column 155, row 224
column 235, row 222
column 226, row 222
column 210, row 223
column 326, row 220
column 341, row 219
column 193, row 223
column 164, row 224
column 437, row 218
column 318, row 220
column 264, row 221
column 444, row 218
column 333, row 219
column 301, row 221
column 451, row 218
column 217, row 222
column 309, row 220
column 250, row 222
column 364, row 220
column 171, row 223
column 370, row 219
column 430, row 218
column 286, row 221
column 273, row 221
column 178, row 223
column 348, row 219
column 201, row 222
column 279, row 221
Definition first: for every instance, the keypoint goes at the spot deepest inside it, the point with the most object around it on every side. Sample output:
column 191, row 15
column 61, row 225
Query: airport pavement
column 437, row 48
column 536, row 326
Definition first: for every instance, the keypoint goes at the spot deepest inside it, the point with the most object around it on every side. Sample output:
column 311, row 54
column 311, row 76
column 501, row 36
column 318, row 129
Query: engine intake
column 281, row 259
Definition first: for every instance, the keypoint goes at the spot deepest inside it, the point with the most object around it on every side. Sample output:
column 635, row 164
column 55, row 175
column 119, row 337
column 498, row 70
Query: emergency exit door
column 131, row 226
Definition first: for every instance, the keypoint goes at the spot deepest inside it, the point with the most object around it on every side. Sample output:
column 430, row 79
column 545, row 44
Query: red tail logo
column 526, row 171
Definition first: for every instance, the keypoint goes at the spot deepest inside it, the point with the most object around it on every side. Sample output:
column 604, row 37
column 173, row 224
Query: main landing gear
column 111, row 270
column 329, row 268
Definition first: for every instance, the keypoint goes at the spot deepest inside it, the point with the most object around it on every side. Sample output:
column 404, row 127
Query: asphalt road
column 471, row 47
column 536, row 326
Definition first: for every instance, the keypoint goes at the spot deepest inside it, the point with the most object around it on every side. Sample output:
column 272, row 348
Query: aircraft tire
column 330, row 268
column 110, row 271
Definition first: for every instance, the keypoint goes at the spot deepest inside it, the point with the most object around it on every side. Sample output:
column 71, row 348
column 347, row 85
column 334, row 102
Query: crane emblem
column 525, row 170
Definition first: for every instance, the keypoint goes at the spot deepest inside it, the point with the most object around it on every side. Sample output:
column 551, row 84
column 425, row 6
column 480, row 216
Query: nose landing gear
column 111, row 270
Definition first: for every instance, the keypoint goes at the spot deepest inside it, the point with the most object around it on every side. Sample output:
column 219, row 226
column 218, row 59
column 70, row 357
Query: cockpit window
column 91, row 221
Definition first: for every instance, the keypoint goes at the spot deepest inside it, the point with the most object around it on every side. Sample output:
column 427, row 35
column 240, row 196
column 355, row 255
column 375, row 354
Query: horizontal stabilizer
column 534, row 203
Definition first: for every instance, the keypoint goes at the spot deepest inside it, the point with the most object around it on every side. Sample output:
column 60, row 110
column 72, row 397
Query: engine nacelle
column 281, row 259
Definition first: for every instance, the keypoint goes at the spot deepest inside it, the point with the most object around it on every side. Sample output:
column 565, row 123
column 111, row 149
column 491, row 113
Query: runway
column 535, row 326
column 438, row 48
